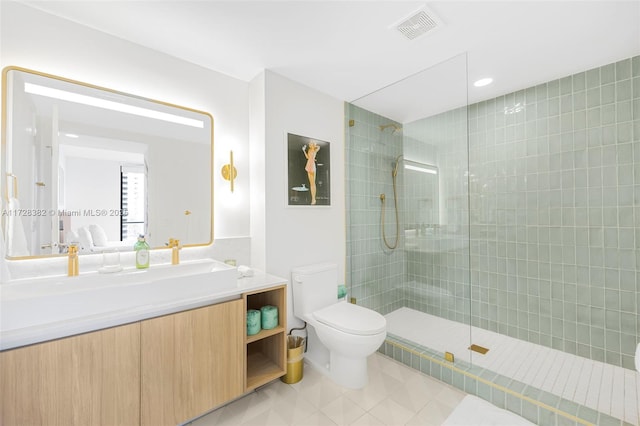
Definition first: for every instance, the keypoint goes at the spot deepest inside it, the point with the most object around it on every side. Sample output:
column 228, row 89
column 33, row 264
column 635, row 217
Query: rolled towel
column 342, row 291
column 269, row 317
column 253, row 322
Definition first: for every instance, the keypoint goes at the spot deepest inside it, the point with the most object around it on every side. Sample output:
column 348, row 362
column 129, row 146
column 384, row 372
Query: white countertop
column 17, row 337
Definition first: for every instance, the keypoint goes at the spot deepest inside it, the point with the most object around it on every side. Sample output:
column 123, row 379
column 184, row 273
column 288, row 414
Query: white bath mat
column 473, row 411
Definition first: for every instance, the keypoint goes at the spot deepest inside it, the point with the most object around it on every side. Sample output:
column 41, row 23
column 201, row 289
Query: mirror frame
column 3, row 151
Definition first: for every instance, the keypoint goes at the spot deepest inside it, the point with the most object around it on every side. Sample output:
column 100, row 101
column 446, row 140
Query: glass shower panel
column 407, row 200
column 518, row 236
column 375, row 273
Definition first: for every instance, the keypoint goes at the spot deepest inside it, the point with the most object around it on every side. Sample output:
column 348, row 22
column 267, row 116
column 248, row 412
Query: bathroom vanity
column 167, row 367
column 152, row 346
column 142, row 346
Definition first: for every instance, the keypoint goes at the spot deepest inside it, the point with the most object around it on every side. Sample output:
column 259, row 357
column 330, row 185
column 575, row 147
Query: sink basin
column 51, row 300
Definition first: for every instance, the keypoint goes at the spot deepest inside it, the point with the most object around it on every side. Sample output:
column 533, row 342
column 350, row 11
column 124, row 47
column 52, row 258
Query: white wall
column 258, row 148
column 35, row 40
column 297, row 236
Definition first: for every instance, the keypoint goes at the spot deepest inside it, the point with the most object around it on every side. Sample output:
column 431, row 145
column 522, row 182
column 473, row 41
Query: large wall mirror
column 97, row 167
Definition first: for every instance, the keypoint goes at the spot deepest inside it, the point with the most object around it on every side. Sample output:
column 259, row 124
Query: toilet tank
column 314, row 287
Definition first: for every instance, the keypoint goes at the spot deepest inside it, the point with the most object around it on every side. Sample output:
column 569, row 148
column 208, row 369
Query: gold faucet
column 73, row 267
column 175, row 250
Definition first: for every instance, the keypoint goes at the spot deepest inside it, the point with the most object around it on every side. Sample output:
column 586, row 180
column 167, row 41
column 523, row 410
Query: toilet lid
column 351, row 319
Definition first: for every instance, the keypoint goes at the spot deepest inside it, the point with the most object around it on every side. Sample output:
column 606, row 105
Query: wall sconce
column 229, row 172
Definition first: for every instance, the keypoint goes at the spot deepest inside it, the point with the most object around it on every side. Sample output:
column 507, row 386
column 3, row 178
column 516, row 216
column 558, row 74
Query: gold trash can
column 295, row 359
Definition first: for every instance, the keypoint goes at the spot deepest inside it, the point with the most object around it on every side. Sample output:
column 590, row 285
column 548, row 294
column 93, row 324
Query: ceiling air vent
column 419, row 23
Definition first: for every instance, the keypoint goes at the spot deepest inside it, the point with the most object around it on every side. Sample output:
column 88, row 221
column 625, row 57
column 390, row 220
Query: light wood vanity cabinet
column 191, row 362
column 160, row 371
column 89, row 379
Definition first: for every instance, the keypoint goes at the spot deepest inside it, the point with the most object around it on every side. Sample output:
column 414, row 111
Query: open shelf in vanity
column 266, row 351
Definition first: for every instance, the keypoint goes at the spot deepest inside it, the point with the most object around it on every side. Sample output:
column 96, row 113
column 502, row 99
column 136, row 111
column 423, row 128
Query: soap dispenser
column 142, row 253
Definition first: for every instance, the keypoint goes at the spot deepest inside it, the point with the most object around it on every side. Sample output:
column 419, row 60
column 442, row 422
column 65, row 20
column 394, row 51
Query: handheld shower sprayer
column 394, row 175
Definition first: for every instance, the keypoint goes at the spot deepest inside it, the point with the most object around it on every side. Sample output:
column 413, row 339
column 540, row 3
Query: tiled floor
column 603, row 387
column 395, row 395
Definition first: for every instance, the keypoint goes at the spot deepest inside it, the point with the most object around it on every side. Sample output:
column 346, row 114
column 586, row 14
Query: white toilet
column 341, row 335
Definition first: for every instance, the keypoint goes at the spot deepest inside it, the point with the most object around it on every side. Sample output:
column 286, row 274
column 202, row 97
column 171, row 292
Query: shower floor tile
column 603, row 387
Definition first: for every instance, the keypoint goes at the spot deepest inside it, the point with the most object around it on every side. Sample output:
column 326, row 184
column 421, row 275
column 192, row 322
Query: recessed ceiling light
column 483, row 82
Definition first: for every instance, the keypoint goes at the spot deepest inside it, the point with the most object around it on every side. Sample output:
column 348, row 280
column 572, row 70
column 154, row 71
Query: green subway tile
column 457, row 379
column 608, row 74
column 483, row 390
column 606, row 420
column 517, row 386
column 549, row 399
column 579, row 81
column 623, row 90
column 568, row 407
column 546, row 417
column 513, row 404
column 436, row 371
column 470, row 385
column 608, row 94
column 530, row 411
column 498, row 398
column 565, row 421
column 587, row 414
column 425, row 366
column 623, row 69
column 636, row 66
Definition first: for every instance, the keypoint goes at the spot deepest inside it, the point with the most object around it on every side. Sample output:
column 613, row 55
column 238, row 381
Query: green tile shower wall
column 438, row 275
column 555, row 213
column 376, row 276
column 551, row 206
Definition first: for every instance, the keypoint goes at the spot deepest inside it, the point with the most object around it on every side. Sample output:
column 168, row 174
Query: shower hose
column 395, row 202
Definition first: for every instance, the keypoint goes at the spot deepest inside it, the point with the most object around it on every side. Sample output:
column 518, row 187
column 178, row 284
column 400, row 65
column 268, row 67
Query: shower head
column 396, row 127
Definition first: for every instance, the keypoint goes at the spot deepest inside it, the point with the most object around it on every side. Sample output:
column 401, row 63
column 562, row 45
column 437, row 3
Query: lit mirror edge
column 3, row 149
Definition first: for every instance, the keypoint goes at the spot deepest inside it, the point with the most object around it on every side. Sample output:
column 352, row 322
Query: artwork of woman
column 310, row 153
column 313, row 165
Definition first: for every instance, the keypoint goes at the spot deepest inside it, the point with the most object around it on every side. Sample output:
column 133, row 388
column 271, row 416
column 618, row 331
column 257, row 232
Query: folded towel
column 244, row 271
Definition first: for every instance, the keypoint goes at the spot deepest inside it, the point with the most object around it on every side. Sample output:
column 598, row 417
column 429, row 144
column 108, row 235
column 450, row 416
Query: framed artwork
column 309, row 171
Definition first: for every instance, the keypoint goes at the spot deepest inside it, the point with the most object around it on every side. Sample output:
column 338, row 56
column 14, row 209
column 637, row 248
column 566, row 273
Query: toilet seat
column 352, row 319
